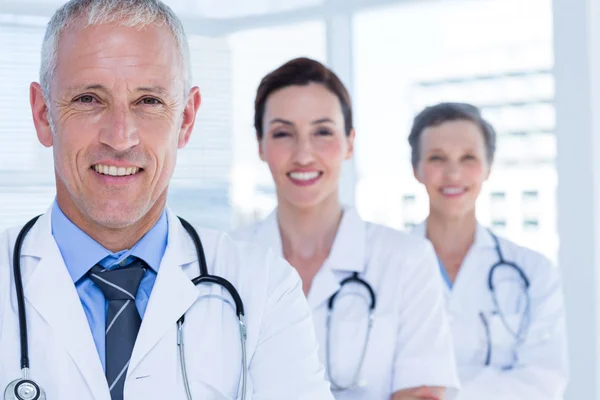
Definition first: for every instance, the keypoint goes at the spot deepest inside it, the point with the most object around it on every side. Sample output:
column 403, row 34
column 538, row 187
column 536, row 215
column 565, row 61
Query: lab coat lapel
column 324, row 285
column 50, row 291
column 347, row 255
column 471, row 266
column 474, row 269
column 172, row 295
column 325, row 282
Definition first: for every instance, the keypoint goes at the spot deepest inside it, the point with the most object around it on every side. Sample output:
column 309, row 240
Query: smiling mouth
column 453, row 191
column 111, row 170
column 304, row 176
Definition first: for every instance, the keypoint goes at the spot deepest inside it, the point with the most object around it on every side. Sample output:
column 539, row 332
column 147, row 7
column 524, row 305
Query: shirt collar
column 80, row 252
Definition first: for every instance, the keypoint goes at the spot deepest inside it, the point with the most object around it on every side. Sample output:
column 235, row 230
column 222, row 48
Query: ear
column 350, row 137
column 39, row 111
column 261, row 152
column 189, row 117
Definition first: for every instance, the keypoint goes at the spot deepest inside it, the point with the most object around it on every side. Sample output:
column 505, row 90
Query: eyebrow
column 441, row 150
column 281, row 121
column 152, row 89
column 146, row 89
column 323, row 120
column 290, row 123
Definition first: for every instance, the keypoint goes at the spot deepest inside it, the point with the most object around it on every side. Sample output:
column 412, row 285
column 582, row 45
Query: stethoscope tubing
column 203, row 278
column 354, row 278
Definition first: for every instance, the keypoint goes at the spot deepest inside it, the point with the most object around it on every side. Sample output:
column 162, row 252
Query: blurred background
column 396, row 57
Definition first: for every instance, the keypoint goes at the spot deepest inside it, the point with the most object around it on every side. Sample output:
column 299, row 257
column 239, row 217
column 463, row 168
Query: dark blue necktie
column 122, row 319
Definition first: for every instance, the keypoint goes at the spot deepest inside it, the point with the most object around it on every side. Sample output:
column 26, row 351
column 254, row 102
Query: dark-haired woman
column 375, row 293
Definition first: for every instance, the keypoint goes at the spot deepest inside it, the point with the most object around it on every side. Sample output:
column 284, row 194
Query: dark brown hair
column 300, row 71
column 445, row 112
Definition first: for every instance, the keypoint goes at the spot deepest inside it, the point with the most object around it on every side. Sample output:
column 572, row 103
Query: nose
column 304, row 151
column 452, row 170
column 120, row 130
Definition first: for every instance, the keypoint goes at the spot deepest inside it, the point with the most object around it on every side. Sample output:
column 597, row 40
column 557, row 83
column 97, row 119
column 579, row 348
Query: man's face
column 119, row 113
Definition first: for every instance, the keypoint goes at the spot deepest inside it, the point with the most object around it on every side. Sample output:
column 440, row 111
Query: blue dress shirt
column 80, row 253
column 445, row 275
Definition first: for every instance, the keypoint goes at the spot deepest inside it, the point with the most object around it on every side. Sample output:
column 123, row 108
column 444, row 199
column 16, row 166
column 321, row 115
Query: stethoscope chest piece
column 23, row 389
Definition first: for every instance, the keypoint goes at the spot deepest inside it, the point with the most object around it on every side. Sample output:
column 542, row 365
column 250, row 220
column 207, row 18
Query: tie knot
column 120, row 283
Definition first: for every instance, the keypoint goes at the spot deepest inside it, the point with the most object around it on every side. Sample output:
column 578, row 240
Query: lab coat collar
column 347, row 252
column 483, row 237
column 173, row 292
column 50, row 291
column 36, row 243
column 347, row 255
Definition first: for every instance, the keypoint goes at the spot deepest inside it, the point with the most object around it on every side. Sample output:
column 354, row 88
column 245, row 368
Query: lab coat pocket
column 503, row 330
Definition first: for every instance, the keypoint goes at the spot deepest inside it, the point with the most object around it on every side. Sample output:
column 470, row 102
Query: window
column 531, row 225
column 408, row 199
column 26, row 170
column 498, row 224
column 530, row 195
column 405, row 62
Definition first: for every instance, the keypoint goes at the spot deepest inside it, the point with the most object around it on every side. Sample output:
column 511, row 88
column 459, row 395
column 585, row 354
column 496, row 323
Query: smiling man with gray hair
column 93, row 293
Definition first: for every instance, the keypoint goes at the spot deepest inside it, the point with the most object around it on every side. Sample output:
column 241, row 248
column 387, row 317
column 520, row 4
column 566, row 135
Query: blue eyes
column 86, row 99
column 150, row 101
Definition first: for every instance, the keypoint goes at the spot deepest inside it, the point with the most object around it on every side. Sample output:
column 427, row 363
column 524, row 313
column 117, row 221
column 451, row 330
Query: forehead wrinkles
column 147, row 57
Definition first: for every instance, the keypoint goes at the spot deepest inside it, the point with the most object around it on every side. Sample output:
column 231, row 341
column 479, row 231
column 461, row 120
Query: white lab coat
column 410, row 342
column 282, row 350
column 541, row 371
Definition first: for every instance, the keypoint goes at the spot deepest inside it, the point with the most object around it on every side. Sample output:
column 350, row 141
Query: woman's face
column 452, row 166
column 304, row 143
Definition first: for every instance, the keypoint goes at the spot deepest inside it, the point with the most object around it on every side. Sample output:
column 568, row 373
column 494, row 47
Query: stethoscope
column 354, row 382
column 521, row 333
column 27, row 389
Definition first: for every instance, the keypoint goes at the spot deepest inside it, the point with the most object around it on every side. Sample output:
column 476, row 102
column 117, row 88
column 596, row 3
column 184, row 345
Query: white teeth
column 115, row 171
column 453, row 190
column 304, row 176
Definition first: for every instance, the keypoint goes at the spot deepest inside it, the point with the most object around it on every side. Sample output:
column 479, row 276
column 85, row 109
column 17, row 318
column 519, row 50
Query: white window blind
column 26, row 173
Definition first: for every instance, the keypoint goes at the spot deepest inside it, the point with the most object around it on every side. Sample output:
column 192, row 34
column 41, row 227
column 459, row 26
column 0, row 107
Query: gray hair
column 130, row 13
column 445, row 112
